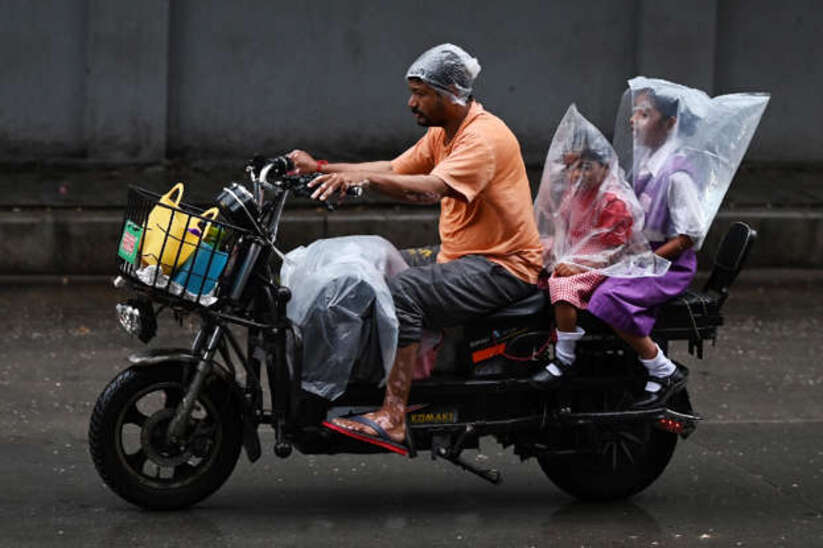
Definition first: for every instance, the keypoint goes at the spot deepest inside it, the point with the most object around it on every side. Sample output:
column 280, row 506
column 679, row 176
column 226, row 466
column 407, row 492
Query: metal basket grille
column 178, row 253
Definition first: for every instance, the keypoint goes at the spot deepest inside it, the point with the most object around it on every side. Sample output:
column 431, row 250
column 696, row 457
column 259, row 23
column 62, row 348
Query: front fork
column 208, row 342
column 177, row 426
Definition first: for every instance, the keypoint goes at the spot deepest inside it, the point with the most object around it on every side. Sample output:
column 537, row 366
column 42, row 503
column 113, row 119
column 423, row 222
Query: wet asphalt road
column 752, row 474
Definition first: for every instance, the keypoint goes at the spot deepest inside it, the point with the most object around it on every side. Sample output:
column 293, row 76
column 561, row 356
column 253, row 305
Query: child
column 589, row 219
column 673, row 188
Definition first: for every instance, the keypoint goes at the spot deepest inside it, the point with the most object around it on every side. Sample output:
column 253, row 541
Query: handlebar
column 266, row 168
column 252, row 212
column 271, row 174
column 299, row 186
column 262, row 167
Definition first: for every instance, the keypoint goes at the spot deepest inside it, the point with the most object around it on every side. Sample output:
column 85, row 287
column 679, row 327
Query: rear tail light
column 671, row 425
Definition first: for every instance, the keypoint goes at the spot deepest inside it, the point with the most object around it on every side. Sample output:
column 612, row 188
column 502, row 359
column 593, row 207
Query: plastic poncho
column 682, row 149
column 342, row 304
column 587, row 214
column 448, row 69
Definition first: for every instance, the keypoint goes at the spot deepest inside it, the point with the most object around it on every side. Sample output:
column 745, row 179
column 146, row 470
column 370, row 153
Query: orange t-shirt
column 483, row 163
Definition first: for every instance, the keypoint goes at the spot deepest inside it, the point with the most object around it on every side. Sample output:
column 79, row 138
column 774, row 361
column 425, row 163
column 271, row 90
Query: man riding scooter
column 489, row 255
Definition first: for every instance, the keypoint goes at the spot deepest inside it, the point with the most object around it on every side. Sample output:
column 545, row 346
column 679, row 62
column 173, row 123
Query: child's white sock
column 564, row 348
column 659, row 366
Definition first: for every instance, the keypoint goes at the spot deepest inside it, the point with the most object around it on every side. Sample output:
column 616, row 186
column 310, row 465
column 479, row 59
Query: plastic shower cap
column 447, row 68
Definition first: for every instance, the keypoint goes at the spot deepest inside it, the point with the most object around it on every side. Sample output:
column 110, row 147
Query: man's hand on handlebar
column 342, row 183
column 303, row 161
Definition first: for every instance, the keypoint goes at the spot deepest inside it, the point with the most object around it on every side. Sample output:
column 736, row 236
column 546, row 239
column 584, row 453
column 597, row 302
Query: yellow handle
column 166, row 198
column 211, row 213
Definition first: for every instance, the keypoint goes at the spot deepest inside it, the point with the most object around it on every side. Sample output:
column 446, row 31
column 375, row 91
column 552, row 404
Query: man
column 490, row 254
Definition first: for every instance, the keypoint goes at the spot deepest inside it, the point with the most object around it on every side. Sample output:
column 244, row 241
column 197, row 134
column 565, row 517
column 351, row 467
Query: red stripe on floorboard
column 367, row 439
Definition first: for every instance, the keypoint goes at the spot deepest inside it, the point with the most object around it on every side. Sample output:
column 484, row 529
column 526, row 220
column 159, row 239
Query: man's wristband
column 321, row 164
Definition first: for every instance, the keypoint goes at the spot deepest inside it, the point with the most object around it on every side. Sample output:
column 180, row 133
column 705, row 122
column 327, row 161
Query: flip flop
column 382, row 438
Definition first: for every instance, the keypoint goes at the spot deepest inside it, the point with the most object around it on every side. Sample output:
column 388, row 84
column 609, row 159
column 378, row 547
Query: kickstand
column 443, row 449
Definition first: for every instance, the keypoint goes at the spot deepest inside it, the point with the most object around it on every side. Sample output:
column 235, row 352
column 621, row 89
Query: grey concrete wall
column 42, row 68
column 127, row 80
column 678, row 44
column 329, row 75
column 776, row 47
column 123, row 81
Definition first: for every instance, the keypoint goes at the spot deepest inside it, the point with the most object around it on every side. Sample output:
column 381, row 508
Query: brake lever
column 298, row 184
column 354, row 191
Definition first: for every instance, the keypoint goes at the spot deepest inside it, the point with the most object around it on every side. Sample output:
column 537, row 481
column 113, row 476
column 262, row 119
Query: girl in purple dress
column 684, row 157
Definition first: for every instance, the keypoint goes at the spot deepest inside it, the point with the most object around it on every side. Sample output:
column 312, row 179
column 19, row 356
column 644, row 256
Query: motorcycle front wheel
column 127, row 438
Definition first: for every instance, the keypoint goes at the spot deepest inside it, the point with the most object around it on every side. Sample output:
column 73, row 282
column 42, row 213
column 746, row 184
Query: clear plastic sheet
column 449, row 69
column 682, row 148
column 587, row 213
column 342, row 304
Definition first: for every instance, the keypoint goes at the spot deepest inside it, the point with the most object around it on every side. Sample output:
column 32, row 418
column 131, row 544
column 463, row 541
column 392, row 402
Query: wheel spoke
column 173, row 397
column 631, row 437
column 205, row 429
column 183, row 471
column 134, row 416
column 137, row 461
column 627, row 452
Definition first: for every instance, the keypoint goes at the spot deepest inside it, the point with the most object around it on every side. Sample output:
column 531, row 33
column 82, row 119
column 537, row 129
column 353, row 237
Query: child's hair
column 669, row 107
column 590, row 153
column 584, row 147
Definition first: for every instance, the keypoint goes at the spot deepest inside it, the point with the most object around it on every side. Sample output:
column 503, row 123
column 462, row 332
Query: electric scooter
column 168, row 430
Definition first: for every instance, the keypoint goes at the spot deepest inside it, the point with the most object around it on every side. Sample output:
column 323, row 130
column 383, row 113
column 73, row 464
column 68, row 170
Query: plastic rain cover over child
column 342, row 304
column 586, row 211
column 694, row 154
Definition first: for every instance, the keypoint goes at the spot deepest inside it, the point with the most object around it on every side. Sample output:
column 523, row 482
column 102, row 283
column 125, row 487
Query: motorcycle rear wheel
column 615, row 469
column 127, row 438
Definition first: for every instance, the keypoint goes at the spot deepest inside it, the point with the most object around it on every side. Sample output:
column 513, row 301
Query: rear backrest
column 729, row 259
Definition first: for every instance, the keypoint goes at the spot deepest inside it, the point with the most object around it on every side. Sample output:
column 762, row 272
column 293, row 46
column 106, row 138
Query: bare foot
column 396, row 429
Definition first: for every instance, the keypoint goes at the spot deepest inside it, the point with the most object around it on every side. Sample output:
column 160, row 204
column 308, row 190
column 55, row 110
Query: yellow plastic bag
column 167, row 239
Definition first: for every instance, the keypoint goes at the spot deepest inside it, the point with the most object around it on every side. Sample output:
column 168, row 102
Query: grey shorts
column 432, row 296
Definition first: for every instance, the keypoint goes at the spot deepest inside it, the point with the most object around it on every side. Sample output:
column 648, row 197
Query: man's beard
column 422, row 119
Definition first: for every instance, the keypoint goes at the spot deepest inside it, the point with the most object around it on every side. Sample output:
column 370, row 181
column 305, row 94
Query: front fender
column 160, row 356
column 155, row 356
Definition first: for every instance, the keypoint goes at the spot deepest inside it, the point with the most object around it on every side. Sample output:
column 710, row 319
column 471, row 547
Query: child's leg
column 652, row 358
column 642, row 344
column 565, row 318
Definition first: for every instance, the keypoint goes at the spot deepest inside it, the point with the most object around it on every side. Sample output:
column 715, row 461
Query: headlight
column 238, row 206
column 137, row 318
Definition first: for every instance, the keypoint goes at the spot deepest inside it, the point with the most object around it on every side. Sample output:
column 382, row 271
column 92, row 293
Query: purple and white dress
column 665, row 186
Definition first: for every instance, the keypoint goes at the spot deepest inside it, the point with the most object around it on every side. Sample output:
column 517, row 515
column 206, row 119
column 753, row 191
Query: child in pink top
column 590, row 222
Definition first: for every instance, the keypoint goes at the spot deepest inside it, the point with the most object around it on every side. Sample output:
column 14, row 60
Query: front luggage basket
column 176, row 253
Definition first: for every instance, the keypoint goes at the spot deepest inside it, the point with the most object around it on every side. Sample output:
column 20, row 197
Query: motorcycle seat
column 690, row 314
column 693, row 315
column 534, row 304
